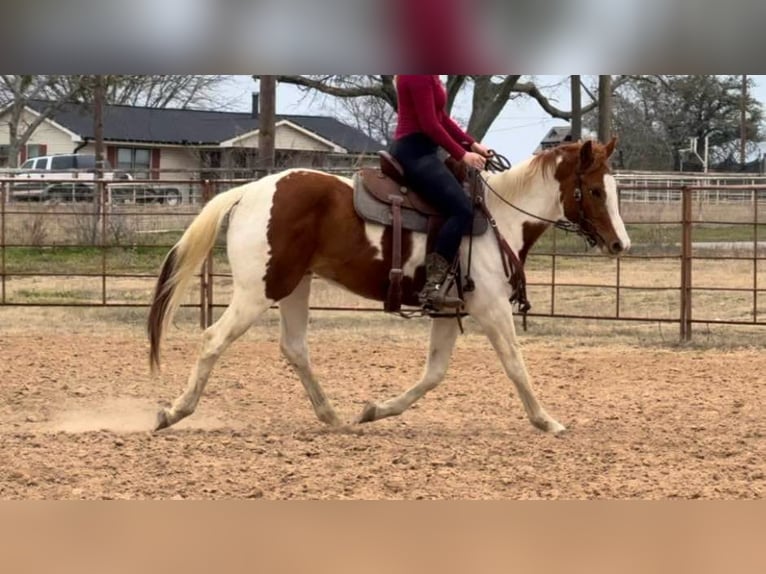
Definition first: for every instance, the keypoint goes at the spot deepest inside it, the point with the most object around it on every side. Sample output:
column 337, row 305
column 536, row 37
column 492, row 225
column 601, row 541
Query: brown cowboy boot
column 433, row 296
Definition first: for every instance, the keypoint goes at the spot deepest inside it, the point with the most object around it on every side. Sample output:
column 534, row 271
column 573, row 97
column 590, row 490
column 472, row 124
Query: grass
column 655, row 239
column 138, row 259
column 147, row 257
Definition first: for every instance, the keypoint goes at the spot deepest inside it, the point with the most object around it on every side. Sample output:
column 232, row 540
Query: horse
column 286, row 227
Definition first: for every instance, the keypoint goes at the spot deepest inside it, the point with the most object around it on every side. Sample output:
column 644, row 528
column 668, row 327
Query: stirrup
column 438, row 300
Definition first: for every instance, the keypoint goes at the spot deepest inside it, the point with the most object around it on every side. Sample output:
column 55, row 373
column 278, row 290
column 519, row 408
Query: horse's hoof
column 549, row 425
column 368, row 414
column 162, row 421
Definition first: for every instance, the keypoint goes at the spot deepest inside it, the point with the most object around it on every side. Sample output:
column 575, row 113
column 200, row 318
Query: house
column 151, row 142
column 558, row 135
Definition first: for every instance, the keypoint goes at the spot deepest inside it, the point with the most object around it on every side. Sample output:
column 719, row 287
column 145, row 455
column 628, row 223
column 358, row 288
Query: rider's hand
column 474, row 160
column 481, row 149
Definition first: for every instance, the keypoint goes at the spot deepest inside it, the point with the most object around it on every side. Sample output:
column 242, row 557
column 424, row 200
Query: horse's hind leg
column 241, row 313
column 294, row 310
column 443, row 335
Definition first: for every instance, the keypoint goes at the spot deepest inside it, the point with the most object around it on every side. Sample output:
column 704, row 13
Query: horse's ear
column 610, row 146
column 586, row 155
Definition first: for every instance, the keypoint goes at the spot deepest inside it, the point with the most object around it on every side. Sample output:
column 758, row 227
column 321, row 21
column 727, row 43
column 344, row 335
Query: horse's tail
column 181, row 264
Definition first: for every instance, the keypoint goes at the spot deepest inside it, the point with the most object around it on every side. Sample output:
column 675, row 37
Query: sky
column 515, row 133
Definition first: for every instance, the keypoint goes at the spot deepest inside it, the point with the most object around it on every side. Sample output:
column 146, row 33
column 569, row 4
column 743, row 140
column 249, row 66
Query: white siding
column 56, row 140
column 178, row 158
column 287, row 138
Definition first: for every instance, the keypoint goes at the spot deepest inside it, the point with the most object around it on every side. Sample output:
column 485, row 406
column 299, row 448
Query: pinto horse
column 287, row 226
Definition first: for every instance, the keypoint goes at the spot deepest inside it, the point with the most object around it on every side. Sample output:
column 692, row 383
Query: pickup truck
column 70, row 177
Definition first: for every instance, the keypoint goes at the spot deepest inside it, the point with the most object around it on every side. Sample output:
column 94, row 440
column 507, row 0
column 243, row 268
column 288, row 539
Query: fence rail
column 697, row 257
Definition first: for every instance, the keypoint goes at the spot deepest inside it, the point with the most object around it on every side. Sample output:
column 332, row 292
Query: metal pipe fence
column 697, row 255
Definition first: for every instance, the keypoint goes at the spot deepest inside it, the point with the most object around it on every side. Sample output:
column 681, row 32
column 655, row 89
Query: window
column 3, row 155
column 36, row 150
column 134, row 160
column 61, row 162
column 86, row 162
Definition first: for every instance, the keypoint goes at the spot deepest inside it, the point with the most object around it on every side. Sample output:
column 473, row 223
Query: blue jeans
column 432, row 180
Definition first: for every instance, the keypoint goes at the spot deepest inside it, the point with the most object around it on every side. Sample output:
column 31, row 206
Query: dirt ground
column 644, row 421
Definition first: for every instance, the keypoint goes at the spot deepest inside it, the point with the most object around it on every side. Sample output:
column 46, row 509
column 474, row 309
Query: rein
column 513, row 267
column 498, row 163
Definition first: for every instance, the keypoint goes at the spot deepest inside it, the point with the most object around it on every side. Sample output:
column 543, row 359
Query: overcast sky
column 516, row 132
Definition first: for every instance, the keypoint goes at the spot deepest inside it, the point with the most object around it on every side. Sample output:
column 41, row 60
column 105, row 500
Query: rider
column 424, row 125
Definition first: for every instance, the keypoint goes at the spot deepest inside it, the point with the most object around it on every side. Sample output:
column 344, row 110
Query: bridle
column 583, row 227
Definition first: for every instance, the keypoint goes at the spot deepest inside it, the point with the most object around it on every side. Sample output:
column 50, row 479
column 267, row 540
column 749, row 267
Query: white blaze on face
column 612, row 207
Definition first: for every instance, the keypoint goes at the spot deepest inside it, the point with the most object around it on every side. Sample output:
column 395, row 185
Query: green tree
column 655, row 117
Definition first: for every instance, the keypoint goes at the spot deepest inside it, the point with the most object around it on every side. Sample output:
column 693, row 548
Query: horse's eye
column 597, row 193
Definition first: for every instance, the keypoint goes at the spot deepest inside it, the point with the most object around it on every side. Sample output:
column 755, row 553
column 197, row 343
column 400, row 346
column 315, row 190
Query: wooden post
column 686, row 265
column 576, row 131
column 99, row 200
column 604, row 108
column 267, row 119
column 743, row 124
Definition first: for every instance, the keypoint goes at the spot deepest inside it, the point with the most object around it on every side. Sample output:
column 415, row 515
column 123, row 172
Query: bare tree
column 369, row 114
column 490, row 93
column 162, row 91
column 156, row 91
column 16, row 91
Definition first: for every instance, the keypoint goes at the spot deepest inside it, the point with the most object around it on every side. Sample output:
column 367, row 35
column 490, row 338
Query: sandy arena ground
column 645, row 421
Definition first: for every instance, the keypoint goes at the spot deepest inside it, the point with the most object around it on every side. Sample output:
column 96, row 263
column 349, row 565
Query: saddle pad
column 372, row 209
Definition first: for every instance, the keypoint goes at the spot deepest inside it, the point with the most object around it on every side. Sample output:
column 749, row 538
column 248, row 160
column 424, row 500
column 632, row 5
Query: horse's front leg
column 443, row 335
column 495, row 316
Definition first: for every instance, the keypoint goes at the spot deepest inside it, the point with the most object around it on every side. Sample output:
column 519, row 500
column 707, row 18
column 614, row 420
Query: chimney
column 256, row 106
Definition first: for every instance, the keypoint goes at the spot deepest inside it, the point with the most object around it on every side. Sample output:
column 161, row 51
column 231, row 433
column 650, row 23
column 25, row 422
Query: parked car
column 128, row 192
column 63, row 177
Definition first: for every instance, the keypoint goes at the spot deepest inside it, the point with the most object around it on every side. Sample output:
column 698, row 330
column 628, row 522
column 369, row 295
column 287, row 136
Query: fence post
column 3, row 199
column 209, row 300
column 686, row 264
column 206, row 273
column 203, row 277
column 755, row 256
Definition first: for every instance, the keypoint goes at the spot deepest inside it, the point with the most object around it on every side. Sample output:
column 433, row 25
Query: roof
column 195, row 127
column 558, row 135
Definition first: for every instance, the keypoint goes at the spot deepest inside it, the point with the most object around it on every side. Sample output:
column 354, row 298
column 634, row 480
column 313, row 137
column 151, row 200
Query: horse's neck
column 537, row 195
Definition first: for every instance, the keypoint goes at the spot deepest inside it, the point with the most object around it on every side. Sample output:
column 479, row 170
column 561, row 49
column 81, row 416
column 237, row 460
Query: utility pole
column 98, row 123
column 576, row 132
column 743, row 123
column 604, row 108
column 267, row 119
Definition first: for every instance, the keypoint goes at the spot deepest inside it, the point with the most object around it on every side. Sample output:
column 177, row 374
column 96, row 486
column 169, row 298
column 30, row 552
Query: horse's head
column 588, row 194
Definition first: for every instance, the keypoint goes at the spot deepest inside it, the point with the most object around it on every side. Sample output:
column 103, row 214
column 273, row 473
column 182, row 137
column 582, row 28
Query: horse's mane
column 545, row 163
column 520, row 176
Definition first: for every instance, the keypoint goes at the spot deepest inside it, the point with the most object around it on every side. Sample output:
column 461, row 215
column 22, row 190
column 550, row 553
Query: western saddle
column 383, row 196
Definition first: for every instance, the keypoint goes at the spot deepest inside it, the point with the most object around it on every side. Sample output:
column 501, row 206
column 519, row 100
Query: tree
column 158, row 91
column 655, row 117
column 16, row 91
column 162, row 91
column 371, row 115
column 490, row 93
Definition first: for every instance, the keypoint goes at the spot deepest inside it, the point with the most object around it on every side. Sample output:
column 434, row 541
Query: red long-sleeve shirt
column 422, row 102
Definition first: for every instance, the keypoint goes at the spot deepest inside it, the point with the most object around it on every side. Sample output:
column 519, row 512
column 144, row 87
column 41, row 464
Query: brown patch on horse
column 531, row 232
column 314, row 228
column 584, row 165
